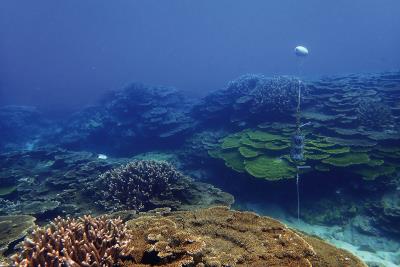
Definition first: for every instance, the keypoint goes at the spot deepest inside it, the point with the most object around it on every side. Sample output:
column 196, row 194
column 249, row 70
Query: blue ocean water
column 141, row 105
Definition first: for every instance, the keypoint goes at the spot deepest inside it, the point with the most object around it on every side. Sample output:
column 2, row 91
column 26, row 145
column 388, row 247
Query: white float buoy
column 301, row 51
column 102, row 156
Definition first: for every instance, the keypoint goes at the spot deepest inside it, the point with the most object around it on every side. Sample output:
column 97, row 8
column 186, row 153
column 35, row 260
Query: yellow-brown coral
column 78, row 242
column 158, row 241
column 218, row 237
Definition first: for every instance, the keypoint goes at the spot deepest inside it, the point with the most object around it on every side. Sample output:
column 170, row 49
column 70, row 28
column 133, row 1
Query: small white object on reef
column 102, row 156
column 301, row 51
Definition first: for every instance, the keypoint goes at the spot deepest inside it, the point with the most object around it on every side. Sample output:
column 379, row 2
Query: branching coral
column 133, row 185
column 374, row 114
column 78, row 242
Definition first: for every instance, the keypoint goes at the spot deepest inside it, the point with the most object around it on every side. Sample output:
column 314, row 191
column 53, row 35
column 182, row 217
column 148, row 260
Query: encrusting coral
column 85, row 241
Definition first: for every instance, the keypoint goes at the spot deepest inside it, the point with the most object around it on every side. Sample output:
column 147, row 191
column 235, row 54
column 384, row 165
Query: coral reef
column 60, row 182
column 353, row 133
column 250, row 99
column 84, row 241
column 48, row 182
column 264, row 153
column 128, row 118
column 207, row 237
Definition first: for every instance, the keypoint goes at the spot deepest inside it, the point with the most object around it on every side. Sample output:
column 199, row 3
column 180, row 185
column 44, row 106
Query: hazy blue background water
column 62, row 55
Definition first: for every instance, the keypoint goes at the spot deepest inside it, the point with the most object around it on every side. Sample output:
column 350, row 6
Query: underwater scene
column 200, row 133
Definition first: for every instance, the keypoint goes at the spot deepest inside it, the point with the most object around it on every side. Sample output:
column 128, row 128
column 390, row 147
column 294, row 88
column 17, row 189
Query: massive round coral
column 133, row 185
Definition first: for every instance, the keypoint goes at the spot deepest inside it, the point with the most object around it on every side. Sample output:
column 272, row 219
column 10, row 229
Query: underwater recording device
column 297, row 149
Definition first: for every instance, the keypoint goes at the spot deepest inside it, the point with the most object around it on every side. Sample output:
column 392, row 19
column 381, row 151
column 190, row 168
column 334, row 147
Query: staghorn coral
column 133, row 185
column 374, row 114
column 85, row 241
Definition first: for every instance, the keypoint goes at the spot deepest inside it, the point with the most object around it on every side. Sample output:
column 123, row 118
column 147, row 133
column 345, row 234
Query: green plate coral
column 344, row 160
column 248, row 152
column 265, row 154
column 269, row 168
